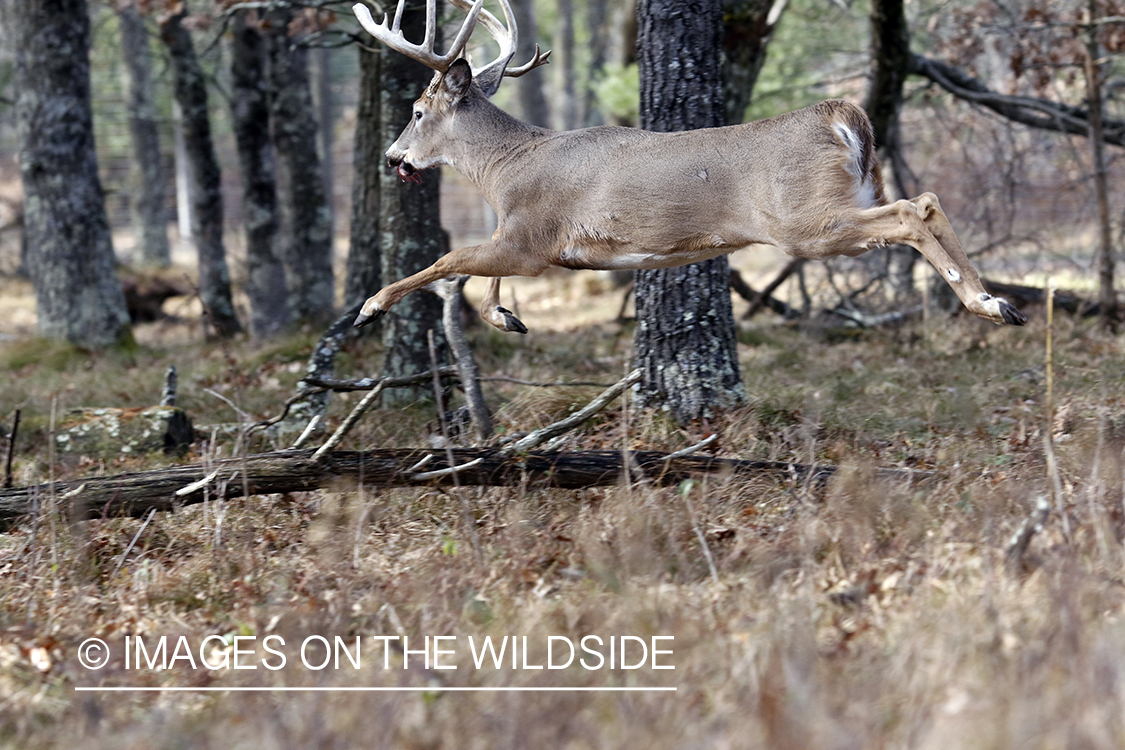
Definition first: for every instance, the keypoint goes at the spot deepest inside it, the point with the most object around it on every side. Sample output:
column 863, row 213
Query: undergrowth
column 861, row 614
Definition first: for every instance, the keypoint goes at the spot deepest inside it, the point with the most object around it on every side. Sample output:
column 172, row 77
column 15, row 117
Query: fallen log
column 134, row 494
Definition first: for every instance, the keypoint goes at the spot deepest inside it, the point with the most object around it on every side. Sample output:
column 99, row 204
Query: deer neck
column 488, row 145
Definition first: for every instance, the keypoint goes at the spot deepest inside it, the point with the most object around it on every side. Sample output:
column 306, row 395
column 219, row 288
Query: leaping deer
column 807, row 182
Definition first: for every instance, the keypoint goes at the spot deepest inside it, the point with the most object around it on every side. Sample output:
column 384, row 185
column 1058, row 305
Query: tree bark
column 567, row 116
column 294, row 471
column 409, row 218
column 747, row 29
column 71, row 258
column 685, row 337
column 150, row 223
column 203, row 176
column 365, row 262
column 597, row 15
column 890, row 63
column 532, row 102
column 265, row 277
column 1107, row 297
column 307, row 219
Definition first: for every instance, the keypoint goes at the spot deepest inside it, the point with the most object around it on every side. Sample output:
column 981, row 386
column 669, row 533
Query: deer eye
column 418, row 114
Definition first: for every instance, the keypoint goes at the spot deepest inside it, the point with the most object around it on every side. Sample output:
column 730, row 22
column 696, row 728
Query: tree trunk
column 532, row 103
column 150, row 224
column 596, row 14
column 1107, row 298
column 685, row 337
column 325, row 128
column 265, row 273
column 307, row 229
column 567, row 117
column 365, row 263
column 747, row 28
column 77, row 293
column 409, row 217
column 205, row 186
column 890, row 63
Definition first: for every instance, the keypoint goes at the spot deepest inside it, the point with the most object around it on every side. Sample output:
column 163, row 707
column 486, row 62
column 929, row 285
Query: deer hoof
column 364, row 318
column 1011, row 315
column 511, row 322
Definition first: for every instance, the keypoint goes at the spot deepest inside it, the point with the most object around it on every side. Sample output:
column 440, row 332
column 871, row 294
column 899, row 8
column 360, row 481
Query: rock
column 111, row 432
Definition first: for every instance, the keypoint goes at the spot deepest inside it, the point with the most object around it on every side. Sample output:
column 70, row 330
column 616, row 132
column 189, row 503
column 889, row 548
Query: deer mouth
column 407, row 172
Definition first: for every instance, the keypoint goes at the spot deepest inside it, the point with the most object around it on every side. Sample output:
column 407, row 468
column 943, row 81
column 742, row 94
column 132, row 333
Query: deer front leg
column 490, row 259
column 498, row 316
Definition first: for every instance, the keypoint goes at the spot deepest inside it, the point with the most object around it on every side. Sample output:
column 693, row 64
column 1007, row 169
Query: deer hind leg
column 498, row 316
column 490, row 259
column 922, row 224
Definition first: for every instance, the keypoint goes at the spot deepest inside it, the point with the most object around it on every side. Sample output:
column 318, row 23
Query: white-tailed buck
column 609, row 197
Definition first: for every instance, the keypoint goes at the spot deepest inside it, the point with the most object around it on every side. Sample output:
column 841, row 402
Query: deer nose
column 393, row 161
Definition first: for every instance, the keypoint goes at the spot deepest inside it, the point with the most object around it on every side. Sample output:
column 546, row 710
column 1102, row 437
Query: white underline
column 375, row 689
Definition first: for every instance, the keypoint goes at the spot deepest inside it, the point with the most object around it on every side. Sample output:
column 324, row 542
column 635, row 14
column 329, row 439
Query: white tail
column 607, row 197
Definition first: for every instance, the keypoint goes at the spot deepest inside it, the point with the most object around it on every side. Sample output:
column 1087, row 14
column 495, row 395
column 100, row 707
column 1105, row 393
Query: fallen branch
column 135, row 494
column 739, row 286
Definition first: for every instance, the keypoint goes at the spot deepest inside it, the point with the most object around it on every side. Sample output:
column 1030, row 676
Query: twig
column 685, row 494
column 360, row 409
column 533, row 384
column 1031, row 525
column 437, row 473
column 693, row 448
column 11, row 450
column 450, row 292
column 563, row 425
column 196, row 486
column 306, row 433
column 129, row 549
column 767, row 292
column 467, row 516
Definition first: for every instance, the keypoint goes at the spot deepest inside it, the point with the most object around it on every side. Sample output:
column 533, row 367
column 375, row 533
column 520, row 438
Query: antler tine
column 536, row 60
column 424, row 53
column 507, row 36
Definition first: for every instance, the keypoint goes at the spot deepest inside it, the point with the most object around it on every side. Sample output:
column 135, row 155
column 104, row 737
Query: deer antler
column 424, row 53
column 507, row 36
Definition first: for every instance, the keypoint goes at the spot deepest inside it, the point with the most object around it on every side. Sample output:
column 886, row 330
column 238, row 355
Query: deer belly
column 606, row 259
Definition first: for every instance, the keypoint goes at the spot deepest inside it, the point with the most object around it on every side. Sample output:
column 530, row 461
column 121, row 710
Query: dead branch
column 135, row 494
column 1026, row 110
column 739, row 286
column 760, row 301
column 450, row 291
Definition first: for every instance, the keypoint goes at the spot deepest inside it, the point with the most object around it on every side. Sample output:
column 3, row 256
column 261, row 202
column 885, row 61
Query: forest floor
column 861, row 614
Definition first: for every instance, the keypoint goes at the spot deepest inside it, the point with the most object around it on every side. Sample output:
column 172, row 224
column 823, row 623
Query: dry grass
column 863, row 615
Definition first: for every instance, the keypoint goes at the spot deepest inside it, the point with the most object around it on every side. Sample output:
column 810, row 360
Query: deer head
column 421, row 143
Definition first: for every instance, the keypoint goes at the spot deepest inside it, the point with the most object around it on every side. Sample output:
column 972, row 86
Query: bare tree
column 532, row 103
column 890, row 65
column 748, row 27
column 265, row 280
column 365, row 252
column 150, row 224
column 306, row 217
column 1107, row 297
column 409, row 214
column 204, row 176
column 78, row 296
column 684, row 342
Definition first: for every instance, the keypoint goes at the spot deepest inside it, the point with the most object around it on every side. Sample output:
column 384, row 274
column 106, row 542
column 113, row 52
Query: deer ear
column 458, row 79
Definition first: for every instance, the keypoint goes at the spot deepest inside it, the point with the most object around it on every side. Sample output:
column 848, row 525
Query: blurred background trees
column 277, row 202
